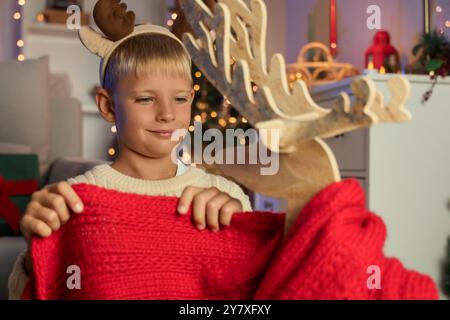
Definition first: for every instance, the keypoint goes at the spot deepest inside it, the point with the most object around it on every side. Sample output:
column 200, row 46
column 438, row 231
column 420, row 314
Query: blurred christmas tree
column 209, row 107
column 213, row 109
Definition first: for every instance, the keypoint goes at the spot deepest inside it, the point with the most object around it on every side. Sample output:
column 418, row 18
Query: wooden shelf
column 413, row 78
column 50, row 29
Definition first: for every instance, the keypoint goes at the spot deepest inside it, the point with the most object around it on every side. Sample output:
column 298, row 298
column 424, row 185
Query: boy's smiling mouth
column 162, row 133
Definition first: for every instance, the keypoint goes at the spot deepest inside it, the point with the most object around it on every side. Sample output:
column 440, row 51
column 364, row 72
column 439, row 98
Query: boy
column 147, row 93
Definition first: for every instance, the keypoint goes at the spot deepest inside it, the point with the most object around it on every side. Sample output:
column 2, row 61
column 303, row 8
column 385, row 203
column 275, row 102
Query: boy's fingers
column 48, row 216
column 186, row 198
column 227, row 211
column 212, row 209
column 199, row 205
column 32, row 225
column 39, row 228
column 57, row 203
column 70, row 196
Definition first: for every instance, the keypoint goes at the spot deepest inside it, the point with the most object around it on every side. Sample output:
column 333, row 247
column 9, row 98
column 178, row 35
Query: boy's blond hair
column 146, row 55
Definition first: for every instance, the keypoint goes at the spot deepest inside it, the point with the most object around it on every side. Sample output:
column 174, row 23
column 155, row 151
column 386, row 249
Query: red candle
column 333, row 28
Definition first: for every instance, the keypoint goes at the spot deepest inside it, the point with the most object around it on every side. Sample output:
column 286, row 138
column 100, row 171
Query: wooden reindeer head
column 234, row 30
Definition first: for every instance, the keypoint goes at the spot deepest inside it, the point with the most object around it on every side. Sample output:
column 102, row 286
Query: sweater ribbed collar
column 121, row 182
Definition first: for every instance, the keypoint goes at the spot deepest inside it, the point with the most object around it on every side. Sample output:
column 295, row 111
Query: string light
column 40, row 17
column 169, row 23
column 196, row 87
column 232, row 120
column 19, row 42
column 244, row 120
column 174, row 16
column 213, row 114
column 198, row 74
column 202, row 105
column 222, row 123
column 191, row 128
column 111, row 151
column 446, row 24
column 198, row 118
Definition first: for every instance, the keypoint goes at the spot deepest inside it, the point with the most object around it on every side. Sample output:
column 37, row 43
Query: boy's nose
column 165, row 112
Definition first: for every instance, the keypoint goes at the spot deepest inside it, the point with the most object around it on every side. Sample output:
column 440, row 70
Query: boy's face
column 147, row 110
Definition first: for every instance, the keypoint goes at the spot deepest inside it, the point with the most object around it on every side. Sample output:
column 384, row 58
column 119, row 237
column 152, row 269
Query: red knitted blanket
column 130, row 246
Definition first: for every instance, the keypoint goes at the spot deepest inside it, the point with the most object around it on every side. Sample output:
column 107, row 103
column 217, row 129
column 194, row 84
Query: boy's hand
column 48, row 210
column 210, row 206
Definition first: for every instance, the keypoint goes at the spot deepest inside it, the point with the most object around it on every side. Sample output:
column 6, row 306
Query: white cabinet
column 406, row 171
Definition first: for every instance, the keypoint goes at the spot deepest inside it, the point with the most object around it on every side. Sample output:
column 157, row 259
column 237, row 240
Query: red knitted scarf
column 130, row 246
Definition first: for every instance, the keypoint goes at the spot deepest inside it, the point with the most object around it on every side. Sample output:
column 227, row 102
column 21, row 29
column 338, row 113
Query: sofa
column 39, row 116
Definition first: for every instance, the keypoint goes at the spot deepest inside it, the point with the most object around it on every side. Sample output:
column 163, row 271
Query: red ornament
column 382, row 54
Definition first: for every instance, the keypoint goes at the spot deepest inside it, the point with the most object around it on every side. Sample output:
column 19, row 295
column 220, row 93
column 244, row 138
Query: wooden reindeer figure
column 233, row 30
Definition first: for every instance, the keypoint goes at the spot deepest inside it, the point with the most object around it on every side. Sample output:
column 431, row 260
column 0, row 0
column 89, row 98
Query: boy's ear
column 105, row 105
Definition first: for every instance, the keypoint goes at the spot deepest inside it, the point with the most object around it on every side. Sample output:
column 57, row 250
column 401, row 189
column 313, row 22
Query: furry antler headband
column 118, row 25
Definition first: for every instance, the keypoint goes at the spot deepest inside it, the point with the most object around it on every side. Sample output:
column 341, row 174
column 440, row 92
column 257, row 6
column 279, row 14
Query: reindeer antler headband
column 118, row 25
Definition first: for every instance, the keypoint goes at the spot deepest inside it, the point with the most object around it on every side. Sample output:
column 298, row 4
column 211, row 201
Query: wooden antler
column 306, row 163
column 368, row 110
column 252, row 48
column 113, row 20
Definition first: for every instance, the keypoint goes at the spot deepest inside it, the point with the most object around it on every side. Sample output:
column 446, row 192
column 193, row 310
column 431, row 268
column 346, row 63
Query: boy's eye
column 145, row 100
column 181, row 100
